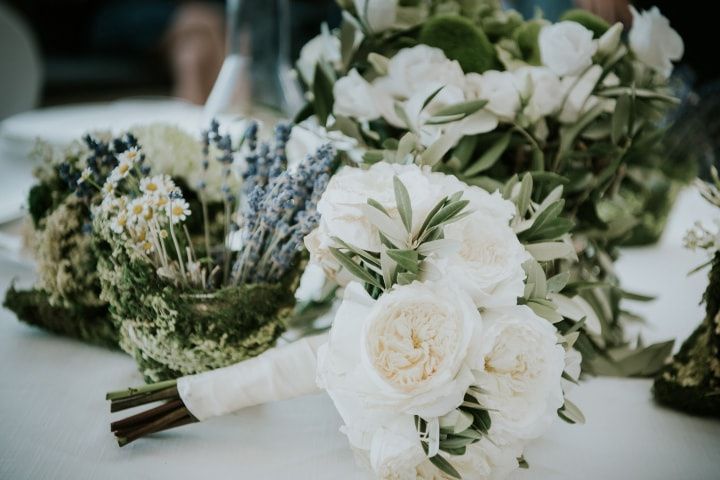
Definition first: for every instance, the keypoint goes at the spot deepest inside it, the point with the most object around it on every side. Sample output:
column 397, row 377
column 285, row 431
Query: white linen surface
column 54, row 422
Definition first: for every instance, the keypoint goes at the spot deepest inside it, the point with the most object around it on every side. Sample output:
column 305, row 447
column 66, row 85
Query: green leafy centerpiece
column 475, row 91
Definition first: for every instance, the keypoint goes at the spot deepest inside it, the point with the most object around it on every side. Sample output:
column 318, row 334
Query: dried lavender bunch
column 281, row 207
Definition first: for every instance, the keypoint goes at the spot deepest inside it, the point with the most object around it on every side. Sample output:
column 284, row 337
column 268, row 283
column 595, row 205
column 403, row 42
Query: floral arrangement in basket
column 478, row 92
column 188, row 303
column 448, row 352
column 66, row 298
column 691, row 382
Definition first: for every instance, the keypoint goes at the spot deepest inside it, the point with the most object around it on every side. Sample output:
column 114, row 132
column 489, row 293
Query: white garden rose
column 542, row 91
column 416, row 68
column 519, row 370
column 354, row 97
column 654, row 41
column 489, row 260
column 404, row 353
column 566, row 47
column 377, row 15
column 324, row 47
column 345, row 198
column 498, row 88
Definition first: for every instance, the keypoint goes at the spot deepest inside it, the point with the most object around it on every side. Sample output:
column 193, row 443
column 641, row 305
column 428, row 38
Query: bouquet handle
column 278, row 374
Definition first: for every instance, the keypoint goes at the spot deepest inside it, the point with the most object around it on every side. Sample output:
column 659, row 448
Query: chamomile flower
column 137, row 211
column 131, row 155
column 158, row 185
column 178, row 210
column 108, row 188
column 119, row 222
column 122, row 170
column 85, row 175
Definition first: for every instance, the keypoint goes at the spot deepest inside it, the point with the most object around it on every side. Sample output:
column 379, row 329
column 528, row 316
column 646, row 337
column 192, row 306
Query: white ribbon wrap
column 278, row 374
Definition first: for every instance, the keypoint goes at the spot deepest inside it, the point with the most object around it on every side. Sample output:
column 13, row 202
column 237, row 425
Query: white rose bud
column 610, row 40
column 377, row 15
column 354, row 97
column 654, row 41
column 566, row 47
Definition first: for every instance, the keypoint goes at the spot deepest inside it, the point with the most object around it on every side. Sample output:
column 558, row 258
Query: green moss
column 461, row 40
column 592, row 22
column 171, row 331
column 526, row 37
column 40, row 201
column 91, row 324
column 691, row 383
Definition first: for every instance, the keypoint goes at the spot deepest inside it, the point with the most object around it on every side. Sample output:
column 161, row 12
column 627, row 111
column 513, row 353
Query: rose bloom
column 413, row 69
column 654, row 41
column 542, row 90
column 489, row 260
column 566, row 47
column 342, row 207
column 519, row 369
column 498, row 88
column 354, row 97
column 389, row 359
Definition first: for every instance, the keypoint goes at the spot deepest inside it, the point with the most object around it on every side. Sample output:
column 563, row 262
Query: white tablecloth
column 54, row 422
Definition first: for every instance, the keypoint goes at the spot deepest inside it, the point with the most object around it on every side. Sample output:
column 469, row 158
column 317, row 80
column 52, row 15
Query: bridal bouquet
column 450, row 349
column 187, row 303
column 475, row 91
column 66, row 298
column 691, row 382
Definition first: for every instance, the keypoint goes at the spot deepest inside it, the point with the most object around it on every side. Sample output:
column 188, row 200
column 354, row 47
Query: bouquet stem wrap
column 278, row 374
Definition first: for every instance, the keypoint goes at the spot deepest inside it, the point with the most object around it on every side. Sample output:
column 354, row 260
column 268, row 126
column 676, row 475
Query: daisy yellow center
column 178, row 210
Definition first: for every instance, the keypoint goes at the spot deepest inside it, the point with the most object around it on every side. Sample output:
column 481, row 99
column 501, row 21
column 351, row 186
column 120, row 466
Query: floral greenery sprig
column 400, row 261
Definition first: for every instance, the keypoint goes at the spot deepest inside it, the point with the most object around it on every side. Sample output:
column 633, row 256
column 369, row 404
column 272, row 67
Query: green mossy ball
column 527, row 38
column 461, row 40
column 592, row 22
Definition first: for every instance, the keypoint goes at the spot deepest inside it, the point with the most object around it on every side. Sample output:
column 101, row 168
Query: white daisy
column 119, row 223
column 178, row 210
column 84, row 175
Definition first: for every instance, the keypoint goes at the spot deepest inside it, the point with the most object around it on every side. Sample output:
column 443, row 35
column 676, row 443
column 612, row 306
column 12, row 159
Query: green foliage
column 461, row 40
column 590, row 21
column 172, row 331
column 40, row 201
column 90, row 324
column 526, row 37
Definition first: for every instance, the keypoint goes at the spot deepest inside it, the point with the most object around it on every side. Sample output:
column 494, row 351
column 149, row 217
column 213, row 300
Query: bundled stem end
column 170, row 413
